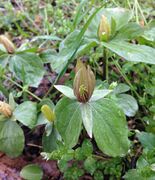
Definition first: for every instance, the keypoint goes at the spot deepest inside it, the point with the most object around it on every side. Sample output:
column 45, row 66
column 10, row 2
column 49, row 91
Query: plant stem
column 4, row 91
column 21, row 87
column 50, row 89
column 100, row 157
column 141, row 11
column 125, row 78
column 105, row 65
column 128, row 2
column 136, row 11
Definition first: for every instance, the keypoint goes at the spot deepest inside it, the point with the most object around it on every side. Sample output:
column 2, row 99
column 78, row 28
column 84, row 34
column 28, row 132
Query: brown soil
column 10, row 168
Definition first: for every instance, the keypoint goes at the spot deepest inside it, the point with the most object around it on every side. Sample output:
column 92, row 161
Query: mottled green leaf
column 31, row 172
column 67, row 91
column 11, row 138
column 26, row 113
column 110, row 128
column 69, row 120
column 147, row 140
column 28, row 68
column 132, row 52
column 128, row 104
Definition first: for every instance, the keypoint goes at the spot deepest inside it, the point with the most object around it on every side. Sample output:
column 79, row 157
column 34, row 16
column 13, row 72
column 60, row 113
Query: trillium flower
column 48, row 113
column 9, row 46
column 84, row 93
column 84, row 82
column 104, row 29
column 5, row 109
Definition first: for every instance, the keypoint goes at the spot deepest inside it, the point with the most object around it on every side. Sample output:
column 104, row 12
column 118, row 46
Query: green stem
column 141, row 11
column 3, row 89
column 105, row 65
column 126, row 78
column 136, row 11
column 100, row 157
column 128, row 2
column 50, row 89
column 21, row 87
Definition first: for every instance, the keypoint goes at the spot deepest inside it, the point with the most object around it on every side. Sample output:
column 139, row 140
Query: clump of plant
column 100, row 115
column 85, row 131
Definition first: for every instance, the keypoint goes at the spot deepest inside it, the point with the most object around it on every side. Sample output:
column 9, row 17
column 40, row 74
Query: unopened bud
column 48, row 113
column 104, row 29
column 5, row 109
column 9, row 46
column 84, row 82
column 113, row 85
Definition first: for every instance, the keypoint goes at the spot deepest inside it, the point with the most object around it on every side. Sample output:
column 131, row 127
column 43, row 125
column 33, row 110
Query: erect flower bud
column 104, row 29
column 84, row 82
column 5, row 109
column 9, row 46
column 48, row 113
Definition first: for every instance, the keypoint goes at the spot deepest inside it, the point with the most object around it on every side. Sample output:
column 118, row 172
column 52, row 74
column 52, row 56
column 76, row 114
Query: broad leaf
column 28, row 68
column 69, row 120
column 4, row 60
column 147, row 140
column 149, row 33
column 134, row 174
column 11, row 138
column 31, row 172
column 26, row 113
column 110, row 128
column 49, row 142
column 128, row 104
column 87, row 118
column 67, row 91
column 49, row 56
column 121, row 88
column 47, row 37
column 132, row 52
column 99, row 94
column 129, row 32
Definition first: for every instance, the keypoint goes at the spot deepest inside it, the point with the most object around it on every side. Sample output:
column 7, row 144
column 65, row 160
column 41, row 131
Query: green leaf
column 47, row 37
column 147, row 140
column 90, row 165
column 87, row 118
column 99, row 94
column 133, row 174
column 129, row 32
column 32, row 172
column 28, row 68
column 128, row 104
column 41, row 120
column 11, row 138
column 98, row 175
column 149, row 33
column 80, row 14
column 49, row 56
column 110, row 128
column 26, row 113
column 121, row 88
column 69, row 120
column 87, row 148
column 67, row 91
column 12, row 102
column 132, row 52
column 4, row 60
column 49, row 142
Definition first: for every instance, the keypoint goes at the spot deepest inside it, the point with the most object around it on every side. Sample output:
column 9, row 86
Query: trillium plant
column 92, row 108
